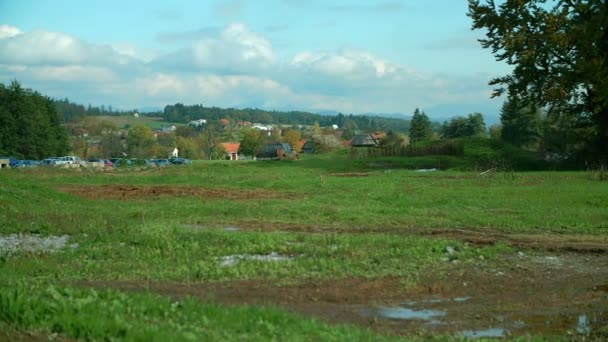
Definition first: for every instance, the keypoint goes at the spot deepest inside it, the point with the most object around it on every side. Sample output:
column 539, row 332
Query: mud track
column 578, row 243
column 563, row 294
column 133, row 192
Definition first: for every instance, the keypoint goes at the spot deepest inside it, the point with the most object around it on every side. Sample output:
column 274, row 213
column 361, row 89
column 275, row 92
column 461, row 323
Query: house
column 263, row 128
column 232, row 150
column 197, row 123
column 321, row 143
column 364, row 140
column 168, row 129
column 243, row 123
column 276, row 151
column 4, row 163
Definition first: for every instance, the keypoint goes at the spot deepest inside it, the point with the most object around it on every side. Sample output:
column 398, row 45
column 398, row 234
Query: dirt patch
column 349, row 174
column 596, row 244
column 131, row 192
column 549, row 295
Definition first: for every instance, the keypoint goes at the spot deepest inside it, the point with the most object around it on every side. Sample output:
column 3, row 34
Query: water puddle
column 14, row 243
column 445, row 313
column 436, row 301
column 406, row 313
column 231, row 260
column 582, row 325
column 492, row 332
column 202, row 227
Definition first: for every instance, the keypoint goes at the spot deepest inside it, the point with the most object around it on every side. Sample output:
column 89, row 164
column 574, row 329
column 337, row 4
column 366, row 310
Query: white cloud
column 7, row 31
column 73, row 73
column 228, row 67
column 236, row 49
column 39, row 48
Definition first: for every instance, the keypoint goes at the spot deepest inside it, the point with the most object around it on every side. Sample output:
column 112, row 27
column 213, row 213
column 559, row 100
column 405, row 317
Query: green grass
column 109, row 315
column 180, row 239
column 130, row 121
column 390, row 197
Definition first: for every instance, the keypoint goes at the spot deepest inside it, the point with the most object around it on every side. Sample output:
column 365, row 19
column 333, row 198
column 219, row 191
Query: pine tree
column 520, row 123
column 30, row 124
column 420, row 127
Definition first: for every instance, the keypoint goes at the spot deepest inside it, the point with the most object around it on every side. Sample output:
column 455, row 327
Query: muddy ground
column 541, row 293
column 133, row 192
column 557, row 287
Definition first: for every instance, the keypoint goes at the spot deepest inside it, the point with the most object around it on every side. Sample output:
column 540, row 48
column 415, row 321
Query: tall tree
column 251, row 141
column 460, row 127
column 141, row 142
column 292, row 137
column 559, row 51
column 30, row 126
column 420, row 127
column 520, row 123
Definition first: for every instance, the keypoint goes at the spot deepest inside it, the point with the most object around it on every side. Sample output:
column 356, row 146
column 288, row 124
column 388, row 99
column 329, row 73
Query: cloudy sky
column 349, row 56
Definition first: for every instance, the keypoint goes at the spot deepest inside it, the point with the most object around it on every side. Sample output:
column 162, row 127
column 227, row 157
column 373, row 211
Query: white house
column 197, row 123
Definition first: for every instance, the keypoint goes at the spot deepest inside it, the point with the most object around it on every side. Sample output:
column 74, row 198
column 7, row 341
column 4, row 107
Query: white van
column 70, row 160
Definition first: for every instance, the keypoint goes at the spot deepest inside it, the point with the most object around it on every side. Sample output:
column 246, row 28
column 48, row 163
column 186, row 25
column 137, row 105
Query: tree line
column 367, row 123
column 30, row 125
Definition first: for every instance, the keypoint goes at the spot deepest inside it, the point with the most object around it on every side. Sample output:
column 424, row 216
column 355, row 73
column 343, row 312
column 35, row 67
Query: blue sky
column 348, row 56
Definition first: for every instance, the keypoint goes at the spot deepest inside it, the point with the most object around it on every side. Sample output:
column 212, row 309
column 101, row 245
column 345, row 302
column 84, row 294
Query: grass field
column 203, row 251
column 130, row 121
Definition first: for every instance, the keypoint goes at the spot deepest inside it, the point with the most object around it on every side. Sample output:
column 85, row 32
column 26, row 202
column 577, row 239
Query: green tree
column 420, row 127
column 185, row 132
column 30, row 126
column 111, row 145
column 189, row 147
column 316, row 128
column 350, row 129
column 520, row 123
column 167, row 140
column 460, row 127
column 209, row 141
column 141, row 142
column 560, row 56
column 292, row 137
column 251, row 141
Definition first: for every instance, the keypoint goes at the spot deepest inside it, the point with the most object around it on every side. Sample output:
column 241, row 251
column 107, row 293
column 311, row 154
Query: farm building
column 4, row 163
column 321, row 143
column 232, row 150
column 364, row 140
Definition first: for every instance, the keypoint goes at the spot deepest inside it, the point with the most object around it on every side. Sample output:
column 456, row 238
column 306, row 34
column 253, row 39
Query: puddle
column 202, row 227
column 492, row 332
column 231, row 260
column 11, row 244
column 582, row 326
column 436, row 301
column 461, row 299
column 405, row 313
column 433, row 314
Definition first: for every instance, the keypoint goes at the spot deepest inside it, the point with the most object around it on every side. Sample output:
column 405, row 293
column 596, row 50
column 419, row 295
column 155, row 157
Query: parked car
column 26, row 163
column 95, row 162
column 180, row 161
column 11, row 160
column 51, row 161
column 276, row 151
column 161, row 162
column 138, row 162
column 70, row 160
column 120, row 161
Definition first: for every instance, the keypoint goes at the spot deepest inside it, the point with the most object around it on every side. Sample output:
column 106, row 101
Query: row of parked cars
column 73, row 161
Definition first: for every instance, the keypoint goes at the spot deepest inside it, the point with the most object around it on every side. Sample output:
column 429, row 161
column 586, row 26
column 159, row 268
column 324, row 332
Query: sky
column 349, row 56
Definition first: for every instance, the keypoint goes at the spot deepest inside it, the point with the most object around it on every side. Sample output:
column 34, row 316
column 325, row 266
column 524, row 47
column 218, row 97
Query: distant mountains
column 437, row 113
